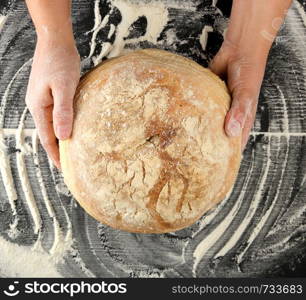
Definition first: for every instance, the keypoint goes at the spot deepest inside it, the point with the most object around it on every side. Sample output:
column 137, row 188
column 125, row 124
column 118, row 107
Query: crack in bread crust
column 148, row 151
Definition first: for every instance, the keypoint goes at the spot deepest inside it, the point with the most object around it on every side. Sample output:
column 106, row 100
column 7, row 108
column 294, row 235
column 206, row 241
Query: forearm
column 255, row 23
column 52, row 19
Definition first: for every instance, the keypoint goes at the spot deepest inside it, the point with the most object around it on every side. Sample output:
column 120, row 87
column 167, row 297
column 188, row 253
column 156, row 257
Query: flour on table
column 23, row 261
column 2, row 21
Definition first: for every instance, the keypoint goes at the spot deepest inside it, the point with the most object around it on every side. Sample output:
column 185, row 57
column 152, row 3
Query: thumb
column 63, row 112
column 244, row 82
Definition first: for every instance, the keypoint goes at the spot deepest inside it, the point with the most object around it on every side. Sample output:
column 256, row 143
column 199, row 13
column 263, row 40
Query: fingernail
column 62, row 132
column 234, row 128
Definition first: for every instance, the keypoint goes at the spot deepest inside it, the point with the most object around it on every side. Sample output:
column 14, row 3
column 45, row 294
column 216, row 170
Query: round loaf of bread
column 148, row 151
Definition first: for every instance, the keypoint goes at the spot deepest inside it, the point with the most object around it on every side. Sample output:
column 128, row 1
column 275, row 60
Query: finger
column 244, row 82
column 247, row 128
column 241, row 107
column 40, row 104
column 63, row 110
column 44, row 124
column 239, row 119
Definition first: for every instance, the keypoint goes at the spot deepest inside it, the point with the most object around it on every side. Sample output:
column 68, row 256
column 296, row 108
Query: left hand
column 53, row 80
column 242, row 58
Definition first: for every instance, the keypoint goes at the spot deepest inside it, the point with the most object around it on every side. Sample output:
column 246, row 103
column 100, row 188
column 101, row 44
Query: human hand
column 241, row 60
column 53, row 80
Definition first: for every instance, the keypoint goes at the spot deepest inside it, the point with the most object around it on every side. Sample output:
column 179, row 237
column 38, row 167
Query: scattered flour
column 2, row 21
column 204, row 36
column 23, row 261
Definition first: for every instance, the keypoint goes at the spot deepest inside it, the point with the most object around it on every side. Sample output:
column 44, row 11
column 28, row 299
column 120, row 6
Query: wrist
column 52, row 19
column 54, row 36
column 254, row 24
column 49, row 30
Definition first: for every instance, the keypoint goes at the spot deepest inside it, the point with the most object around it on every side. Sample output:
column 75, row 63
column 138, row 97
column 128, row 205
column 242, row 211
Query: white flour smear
column 2, row 21
column 23, row 261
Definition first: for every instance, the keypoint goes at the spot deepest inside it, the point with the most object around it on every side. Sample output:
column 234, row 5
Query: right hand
column 53, row 80
column 242, row 58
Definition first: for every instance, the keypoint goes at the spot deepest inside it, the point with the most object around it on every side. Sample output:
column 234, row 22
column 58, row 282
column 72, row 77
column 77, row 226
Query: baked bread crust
column 148, row 151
